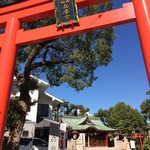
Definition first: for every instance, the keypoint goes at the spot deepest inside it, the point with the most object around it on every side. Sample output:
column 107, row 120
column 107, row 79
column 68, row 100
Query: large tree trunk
column 25, row 99
column 15, row 133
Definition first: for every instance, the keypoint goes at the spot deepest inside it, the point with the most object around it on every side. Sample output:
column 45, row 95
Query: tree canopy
column 123, row 118
column 103, row 115
column 68, row 109
column 145, row 107
column 70, row 60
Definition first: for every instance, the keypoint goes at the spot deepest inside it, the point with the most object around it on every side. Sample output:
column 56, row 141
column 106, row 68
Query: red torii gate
column 140, row 136
column 12, row 16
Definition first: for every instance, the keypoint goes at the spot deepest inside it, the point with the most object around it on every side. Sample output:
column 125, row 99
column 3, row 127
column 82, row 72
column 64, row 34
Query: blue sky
column 124, row 79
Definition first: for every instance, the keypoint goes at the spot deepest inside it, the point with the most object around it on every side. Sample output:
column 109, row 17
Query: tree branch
column 56, row 47
column 30, row 59
column 50, row 63
column 17, row 74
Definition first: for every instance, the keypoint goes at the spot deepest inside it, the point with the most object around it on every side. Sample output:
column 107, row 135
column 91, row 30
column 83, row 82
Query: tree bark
column 24, row 102
column 15, row 133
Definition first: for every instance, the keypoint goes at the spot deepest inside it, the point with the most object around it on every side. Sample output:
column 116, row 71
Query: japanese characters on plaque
column 66, row 13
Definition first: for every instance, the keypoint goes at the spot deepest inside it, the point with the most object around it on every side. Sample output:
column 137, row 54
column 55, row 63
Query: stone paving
column 99, row 148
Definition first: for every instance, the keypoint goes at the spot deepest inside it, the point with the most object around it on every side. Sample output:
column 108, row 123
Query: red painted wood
column 22, row 5
column 106, row 139
column 89, row 23
column 1, row 39
column 7, row 66
column 37, row 10
column 142, row 11
column 140, row 137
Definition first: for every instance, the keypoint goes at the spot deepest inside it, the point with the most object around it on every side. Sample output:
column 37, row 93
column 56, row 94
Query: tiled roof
column 83, row 123
column 44, row 123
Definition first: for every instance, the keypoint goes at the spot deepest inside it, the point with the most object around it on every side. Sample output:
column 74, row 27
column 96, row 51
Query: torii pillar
column 142, row 12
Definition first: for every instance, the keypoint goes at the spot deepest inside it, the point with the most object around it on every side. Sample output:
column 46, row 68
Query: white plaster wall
column 44, row 99
column 50, row 112
column 31, row 116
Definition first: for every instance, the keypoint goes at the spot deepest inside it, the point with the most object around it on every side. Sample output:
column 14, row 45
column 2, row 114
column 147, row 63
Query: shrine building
column 95, row 132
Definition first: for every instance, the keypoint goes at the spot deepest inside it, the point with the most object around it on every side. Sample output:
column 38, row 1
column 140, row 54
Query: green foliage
column 103, row 114
column 146, row 143
column 5, row 2
column 76, row 110
column 145, row 107
column 13, row 114
column 68, row 109
column 123, row 118
column 73, row 59
column 33, row 84
column 1, row 3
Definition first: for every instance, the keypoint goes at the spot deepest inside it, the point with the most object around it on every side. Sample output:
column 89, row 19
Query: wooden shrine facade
column 96, row 133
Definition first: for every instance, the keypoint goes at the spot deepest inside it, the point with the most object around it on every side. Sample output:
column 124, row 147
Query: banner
column 62, row 136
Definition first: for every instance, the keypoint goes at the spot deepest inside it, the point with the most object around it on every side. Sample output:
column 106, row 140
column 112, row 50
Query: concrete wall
column 30, row 128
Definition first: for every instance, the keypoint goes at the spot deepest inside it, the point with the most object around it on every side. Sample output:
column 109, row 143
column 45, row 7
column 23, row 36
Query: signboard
column 81, row 139
column 132, row 144
column 66, row 13
column 62, row 136
column 63, row 127
column 62, row 140
column 54, row 136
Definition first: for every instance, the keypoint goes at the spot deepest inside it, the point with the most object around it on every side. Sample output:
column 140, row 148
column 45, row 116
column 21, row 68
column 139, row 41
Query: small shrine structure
column 95, row 132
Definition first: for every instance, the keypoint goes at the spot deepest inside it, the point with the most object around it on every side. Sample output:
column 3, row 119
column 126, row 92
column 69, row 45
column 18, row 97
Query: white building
column 40, row 114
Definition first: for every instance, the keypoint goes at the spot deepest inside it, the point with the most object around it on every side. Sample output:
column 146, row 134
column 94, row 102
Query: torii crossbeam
column 12, row 16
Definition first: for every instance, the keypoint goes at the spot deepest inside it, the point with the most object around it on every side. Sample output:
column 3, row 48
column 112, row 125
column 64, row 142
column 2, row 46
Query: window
column 43, row 110
column 38, row 142
column 25, row 141
column 25, row 133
